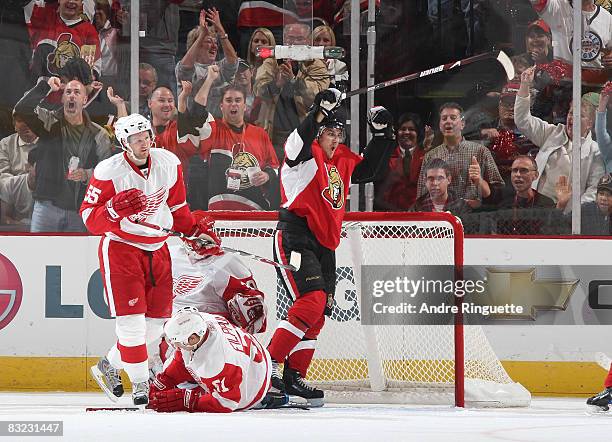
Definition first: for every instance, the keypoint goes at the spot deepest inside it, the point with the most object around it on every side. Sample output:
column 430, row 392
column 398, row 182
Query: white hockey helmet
column 130, row 125
column 183, row 324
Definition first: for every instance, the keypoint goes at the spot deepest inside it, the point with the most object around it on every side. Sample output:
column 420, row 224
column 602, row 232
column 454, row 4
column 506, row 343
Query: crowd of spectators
column 502, row 163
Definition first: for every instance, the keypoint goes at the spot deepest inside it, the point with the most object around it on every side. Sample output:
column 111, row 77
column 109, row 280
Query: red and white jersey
column 231, row 366
column 55, row 41
column 597, row 34
column 164, row 187
column 207, row 284
column 316, row 187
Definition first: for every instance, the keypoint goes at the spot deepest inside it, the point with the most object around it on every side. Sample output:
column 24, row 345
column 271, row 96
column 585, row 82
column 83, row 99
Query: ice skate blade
column 99, row 378
column 312, row 403
column 596, row 409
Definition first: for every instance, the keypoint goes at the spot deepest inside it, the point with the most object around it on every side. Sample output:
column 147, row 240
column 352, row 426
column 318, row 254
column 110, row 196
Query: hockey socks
column 285, row 338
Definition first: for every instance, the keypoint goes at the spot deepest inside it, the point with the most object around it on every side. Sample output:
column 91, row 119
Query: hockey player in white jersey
column 230, row 368
column 142, row 183
column 218, row 284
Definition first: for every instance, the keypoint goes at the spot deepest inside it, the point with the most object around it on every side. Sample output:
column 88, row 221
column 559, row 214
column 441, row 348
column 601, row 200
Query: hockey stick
column 294, row 262
column 500, row 56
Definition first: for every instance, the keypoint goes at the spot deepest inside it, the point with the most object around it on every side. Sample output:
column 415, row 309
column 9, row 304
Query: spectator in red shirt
column 398, row 190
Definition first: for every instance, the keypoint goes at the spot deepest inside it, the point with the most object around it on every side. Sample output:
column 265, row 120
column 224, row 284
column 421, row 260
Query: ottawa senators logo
column 65, row 50
column 242, row 161
column 334, row 192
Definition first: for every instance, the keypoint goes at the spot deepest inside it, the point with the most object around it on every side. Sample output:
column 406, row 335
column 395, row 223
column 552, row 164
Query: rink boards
column 54, row 322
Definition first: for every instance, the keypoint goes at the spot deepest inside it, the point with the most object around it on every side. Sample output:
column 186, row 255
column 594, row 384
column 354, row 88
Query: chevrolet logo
column 520, row 287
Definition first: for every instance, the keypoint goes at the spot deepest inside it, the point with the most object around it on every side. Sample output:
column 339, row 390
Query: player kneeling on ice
column 142, row 183
column 315, row 179
column 230, row 368
column 218, row 284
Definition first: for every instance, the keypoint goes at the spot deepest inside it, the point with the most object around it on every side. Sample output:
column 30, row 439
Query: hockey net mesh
column 414, row 357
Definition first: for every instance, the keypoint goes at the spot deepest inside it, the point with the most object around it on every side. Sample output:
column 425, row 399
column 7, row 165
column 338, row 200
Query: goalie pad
column 248, row 311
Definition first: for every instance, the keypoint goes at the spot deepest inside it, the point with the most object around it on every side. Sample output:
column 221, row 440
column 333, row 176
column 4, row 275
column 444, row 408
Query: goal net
column 426, row 364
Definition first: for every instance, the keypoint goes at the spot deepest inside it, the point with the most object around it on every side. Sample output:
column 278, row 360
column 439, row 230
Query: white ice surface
column 546, row 420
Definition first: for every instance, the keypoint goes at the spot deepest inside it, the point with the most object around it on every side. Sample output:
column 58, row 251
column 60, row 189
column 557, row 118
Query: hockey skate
column 295, row 385
column 601, row 401
column 276, row 379
column 108, row 378
column 140, row 393
column 273, row 400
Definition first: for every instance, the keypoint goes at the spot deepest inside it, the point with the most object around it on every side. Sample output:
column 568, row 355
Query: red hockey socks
column 306, row 310
column 301, row 355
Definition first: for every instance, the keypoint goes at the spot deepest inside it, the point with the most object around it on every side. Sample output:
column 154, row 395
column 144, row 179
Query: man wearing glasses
column 525, row 211
column 475, row 174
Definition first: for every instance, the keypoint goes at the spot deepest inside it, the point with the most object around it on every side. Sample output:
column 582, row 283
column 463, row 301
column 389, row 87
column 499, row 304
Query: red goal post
column 384, row 363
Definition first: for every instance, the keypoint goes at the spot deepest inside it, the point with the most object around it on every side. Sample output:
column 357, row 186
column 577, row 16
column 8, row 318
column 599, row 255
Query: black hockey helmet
column 332, row 123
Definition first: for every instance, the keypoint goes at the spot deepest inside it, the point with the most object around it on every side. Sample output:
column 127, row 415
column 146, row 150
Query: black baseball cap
column 243, row 65
column 605, row 183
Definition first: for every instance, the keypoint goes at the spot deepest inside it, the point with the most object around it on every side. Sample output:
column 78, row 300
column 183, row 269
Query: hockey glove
column 327, row 101
column 380, row 121
column 208, row 242
column 248, row 311
column 607, row 88
column 160, row 382
column 176, row 399
column 126, row 203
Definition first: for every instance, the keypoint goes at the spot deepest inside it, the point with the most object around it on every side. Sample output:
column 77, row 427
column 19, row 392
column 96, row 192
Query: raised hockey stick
column 294, row 261
column 500, row 56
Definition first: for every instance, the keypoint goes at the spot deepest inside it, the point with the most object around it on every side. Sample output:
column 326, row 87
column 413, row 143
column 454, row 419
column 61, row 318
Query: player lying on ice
column 315, row 180
column 228, row 368
column 216, row 283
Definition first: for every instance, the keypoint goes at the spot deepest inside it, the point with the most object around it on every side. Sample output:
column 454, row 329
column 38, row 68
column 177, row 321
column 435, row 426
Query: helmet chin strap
column 130, row 153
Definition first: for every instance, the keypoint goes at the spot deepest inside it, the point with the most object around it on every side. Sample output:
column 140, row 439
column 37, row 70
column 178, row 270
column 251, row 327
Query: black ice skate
column 273, row 400
column 295, row 385
column 140, row 393
column 108, row 378
column 276, row 379
column 601, row 401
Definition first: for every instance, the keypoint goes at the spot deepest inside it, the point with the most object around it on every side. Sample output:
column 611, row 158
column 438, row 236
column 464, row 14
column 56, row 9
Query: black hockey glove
column 380, row 121
column 327, row 101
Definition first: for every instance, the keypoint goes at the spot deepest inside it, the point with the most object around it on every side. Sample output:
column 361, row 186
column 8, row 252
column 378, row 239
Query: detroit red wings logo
column 154, row 201
column 334, row 192
column 186, row 284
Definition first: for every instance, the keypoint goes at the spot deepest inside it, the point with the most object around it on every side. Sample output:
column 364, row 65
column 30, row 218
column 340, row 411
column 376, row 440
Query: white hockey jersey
column 162, row 183
column 231, row 367
column 597, row 30
column 209, row 283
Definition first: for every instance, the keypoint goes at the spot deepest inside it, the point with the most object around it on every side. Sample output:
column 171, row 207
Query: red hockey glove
column 160, row 382
column 126, row 203
column 209, row 242
column 248, row 310
column 176, row 399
